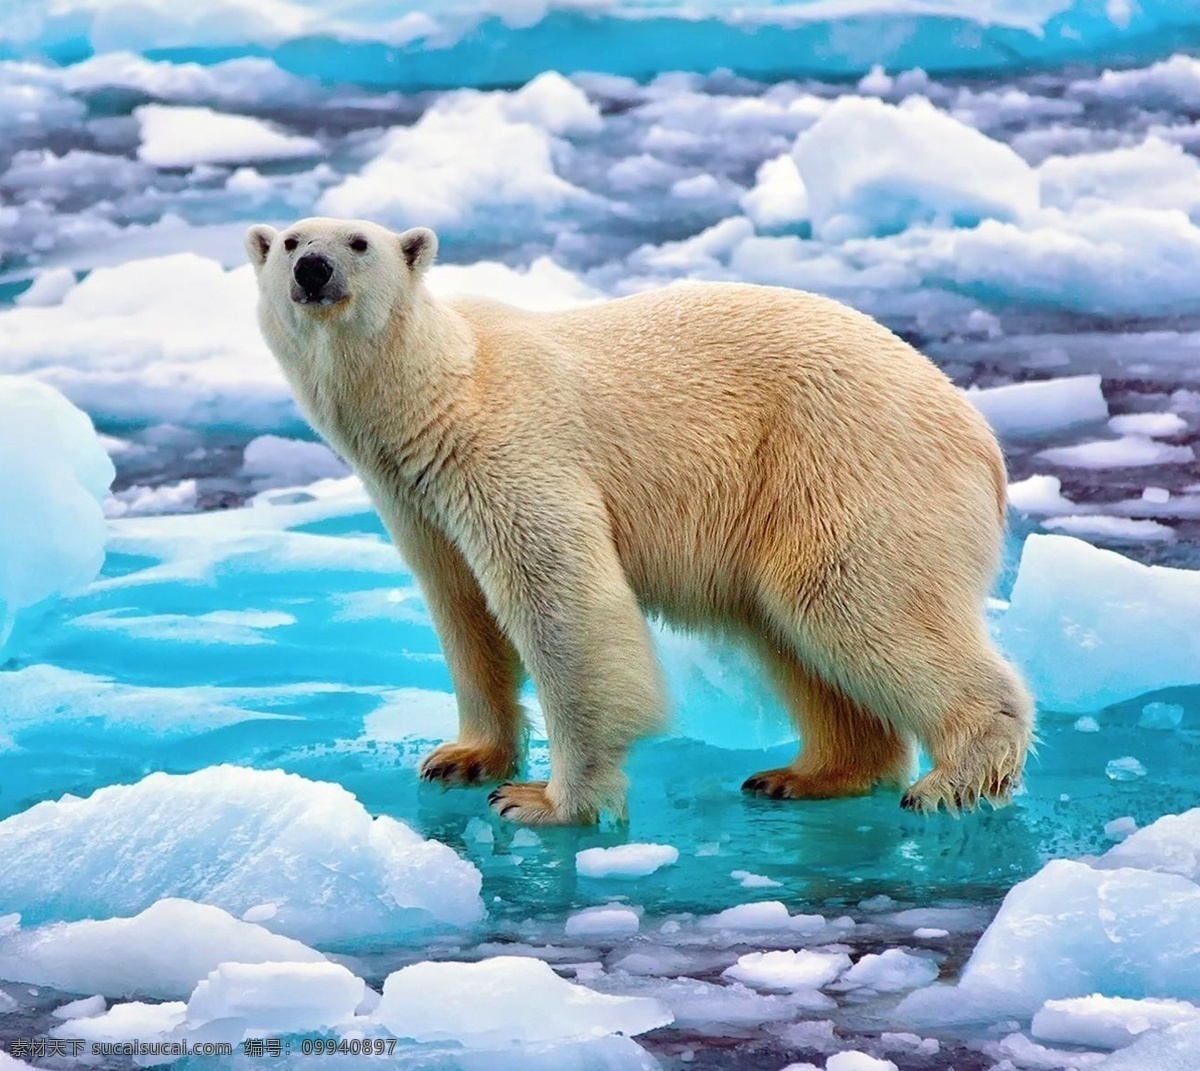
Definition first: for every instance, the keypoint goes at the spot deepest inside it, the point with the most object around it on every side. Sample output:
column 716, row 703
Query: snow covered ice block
column 1070, row 931
column 1089, row 627
column 54, row 476
column 1099, row 1022
column 625, row 860
column 277, row 998
column 891, row 971
column 237, row 838
column 162, row 952
column 506, row 1000
column 788, row 970
column 876, row 169
column 1032, row 410
column 1170, row 845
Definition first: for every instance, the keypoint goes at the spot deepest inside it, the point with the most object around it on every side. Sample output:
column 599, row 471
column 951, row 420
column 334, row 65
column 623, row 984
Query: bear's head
column 339, row 272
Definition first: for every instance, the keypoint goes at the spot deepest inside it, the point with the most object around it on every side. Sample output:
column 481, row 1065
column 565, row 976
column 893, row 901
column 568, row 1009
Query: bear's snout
column 311, row 273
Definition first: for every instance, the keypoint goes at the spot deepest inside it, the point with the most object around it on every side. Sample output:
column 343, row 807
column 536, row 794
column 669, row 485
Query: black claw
column 908, row 801
column 494, row 796
column 779, row 792
column 473, row 771
column 510, row 807
column 752, row 784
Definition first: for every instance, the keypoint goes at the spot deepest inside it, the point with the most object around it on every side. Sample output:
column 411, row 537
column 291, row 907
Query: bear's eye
column 358, row 243
column 289, row 244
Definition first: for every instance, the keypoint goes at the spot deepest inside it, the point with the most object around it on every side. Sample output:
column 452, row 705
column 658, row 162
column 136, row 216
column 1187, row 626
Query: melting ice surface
column 210, row 824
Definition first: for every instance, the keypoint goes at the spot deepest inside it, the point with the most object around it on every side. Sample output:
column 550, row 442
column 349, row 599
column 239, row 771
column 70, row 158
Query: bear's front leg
column 483, row 664
column 555, row 583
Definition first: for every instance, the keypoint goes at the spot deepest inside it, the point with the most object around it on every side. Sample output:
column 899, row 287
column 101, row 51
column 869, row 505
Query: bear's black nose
column 312, row 272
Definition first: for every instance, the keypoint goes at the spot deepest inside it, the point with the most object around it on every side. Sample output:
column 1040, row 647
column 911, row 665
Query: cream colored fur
column 755, row 461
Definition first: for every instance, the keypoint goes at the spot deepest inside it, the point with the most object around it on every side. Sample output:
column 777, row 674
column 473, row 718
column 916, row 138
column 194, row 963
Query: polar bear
column 755, row 461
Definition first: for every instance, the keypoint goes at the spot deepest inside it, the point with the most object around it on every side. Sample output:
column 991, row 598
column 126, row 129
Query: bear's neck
column 389, row 404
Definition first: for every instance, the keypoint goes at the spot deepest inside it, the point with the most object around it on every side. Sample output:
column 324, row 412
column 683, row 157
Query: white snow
column 1038, row 408
column 79, row 1009
column 543, row 286
column 891, row 971
column 857, row 1061
column 876, row 169
column 1154, row 174
column 1120, row 828
column 748, row 880
column 1090, row 627
column 54, row 475
column 787, row 970
column 278, row 998
column 1099, row 1022
column 162, row 952
column 506, row 1000
column 186, row 136
column 625, row 860
column 122, row 1022
column 235, row 837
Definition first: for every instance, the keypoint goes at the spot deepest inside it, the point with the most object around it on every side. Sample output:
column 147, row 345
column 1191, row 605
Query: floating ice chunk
column 277, row 998
column 857, row 1061
column 139, row 501
column 506, row 1000
column 1130, row 451
column 1032, row 410
column 272, row 461
column 929, row 933
column 1039, row 496
column 553, row 102
column 874, row 169
column 54, row 476
column 82, row 1008
column 891, row 971
column 1173, row 1048
column 49, row 288
column 1016, row 1050
column 163, row 952
column 711, row 1009
column 183, row 316
column 1170, row 82
column 1154, row 174
column 778, row 197
column 1086, row 724
column 788, row 970
column 625, row 860
column 543, row 286
column 124, row 1022
column 1161, row 716
column 1069, row 931
column 1099, row 1022
column 235, row 837
column 754, row 881
column 420, row 174
column 1170, row 845
column 184, row 137
column 1089, row 627
column 1126, row 768
column 603, row 922
column 1113, row 529
column 1120, row 828
column 1155, row 425
column 236, row 81
column 764, row 915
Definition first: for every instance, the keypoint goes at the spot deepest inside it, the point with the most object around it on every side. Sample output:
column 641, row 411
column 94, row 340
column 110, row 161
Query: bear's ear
column 258, row 243
column 419, row 247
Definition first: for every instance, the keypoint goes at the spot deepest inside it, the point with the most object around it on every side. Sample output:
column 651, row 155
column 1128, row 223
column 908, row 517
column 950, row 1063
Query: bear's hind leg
column 979, row 745
column 845, row 749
